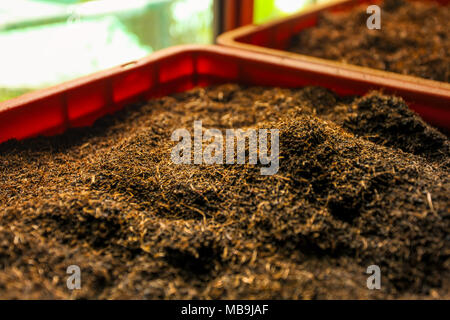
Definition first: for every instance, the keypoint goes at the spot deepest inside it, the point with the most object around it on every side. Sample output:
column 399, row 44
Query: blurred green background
column 46, row 42
column 265, row 10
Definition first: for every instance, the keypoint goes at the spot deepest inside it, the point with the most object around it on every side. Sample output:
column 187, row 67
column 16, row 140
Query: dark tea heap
column 414, row 39
column 362, row 181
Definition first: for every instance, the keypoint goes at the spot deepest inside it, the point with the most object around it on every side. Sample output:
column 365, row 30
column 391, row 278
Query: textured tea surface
column 414, row 39
column 362, row 181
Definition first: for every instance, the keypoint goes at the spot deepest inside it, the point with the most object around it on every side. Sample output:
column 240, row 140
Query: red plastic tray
column 80, row 102
column 273, row 38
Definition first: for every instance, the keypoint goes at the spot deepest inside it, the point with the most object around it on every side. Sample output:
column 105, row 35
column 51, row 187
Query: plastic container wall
column 80, row 102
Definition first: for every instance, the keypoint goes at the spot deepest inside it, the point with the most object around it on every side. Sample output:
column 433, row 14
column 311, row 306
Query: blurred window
column 266, row 10
column 46, row 42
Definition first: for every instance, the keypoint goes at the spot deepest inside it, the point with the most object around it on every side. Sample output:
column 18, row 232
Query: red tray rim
column 437, row 98
column 379, row 79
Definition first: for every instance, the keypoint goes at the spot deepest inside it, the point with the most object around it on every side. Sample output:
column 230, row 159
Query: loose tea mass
column 220, row 149
column 413, row 39
column 362, row 181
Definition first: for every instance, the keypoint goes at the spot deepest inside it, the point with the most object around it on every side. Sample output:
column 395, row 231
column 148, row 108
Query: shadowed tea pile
column 362, row 181
column 414, row 39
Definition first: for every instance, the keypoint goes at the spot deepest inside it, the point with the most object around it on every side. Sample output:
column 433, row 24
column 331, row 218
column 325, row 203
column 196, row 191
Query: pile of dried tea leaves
column 362, row 181
column 414, row 39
